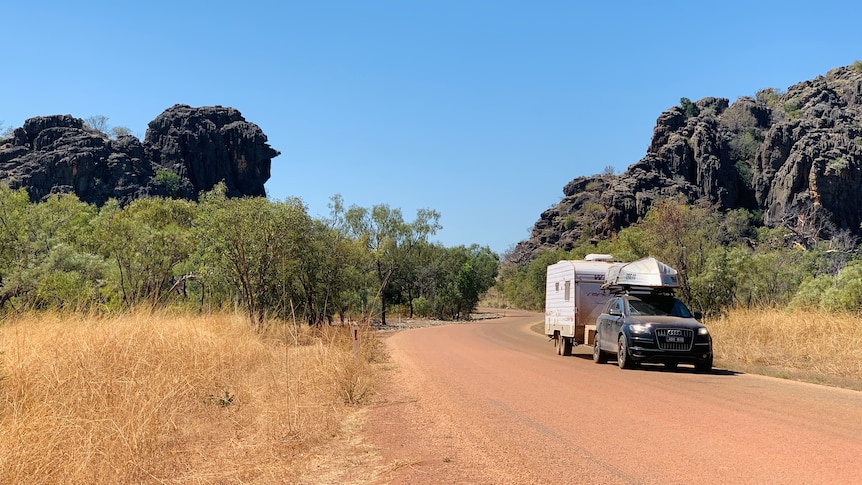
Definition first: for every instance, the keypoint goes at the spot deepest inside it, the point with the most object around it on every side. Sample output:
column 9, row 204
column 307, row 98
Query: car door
column 603, row 326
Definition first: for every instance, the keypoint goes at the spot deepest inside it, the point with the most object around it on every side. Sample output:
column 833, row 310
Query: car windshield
column 659, row 306
column 637, row 307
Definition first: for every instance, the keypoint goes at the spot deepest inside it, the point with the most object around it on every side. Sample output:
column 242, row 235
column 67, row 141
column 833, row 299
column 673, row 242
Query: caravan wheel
column 566, row 346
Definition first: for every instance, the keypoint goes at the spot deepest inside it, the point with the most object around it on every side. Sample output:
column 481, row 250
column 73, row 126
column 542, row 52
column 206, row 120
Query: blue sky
column 482, row 111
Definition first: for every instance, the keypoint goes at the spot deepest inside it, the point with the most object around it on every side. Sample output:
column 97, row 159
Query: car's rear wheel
column 623, row 358
column 599, row 356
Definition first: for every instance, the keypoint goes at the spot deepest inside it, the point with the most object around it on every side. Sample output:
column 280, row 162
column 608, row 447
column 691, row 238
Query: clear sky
column 481, row 110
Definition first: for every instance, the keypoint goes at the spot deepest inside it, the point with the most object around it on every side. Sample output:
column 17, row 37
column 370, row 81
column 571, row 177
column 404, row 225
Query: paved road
column 491, row 402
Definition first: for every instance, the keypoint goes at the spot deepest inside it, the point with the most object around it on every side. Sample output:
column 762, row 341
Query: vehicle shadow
column 586, row 353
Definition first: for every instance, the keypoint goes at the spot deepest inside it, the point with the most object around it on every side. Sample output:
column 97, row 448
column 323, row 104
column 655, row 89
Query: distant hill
column 185, row 151
column 794, row 156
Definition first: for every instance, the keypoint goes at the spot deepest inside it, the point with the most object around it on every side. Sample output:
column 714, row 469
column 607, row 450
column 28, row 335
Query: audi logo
column 674, row 332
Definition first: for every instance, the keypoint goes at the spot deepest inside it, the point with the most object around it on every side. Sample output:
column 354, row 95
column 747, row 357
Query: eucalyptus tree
column 255, row 249
column 44, row 259
column 471, row 272
column 390, row 241
column 146, row 241
column 13, row 234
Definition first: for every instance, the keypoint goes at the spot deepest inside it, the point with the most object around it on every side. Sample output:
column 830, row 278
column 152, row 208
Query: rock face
column 185, row 151
column 795, row 156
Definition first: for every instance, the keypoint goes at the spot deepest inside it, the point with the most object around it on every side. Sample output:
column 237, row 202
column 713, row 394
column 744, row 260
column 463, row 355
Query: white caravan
column 573, row 290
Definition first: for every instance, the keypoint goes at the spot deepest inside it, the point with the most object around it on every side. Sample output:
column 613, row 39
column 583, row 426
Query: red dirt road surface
column 491, row 403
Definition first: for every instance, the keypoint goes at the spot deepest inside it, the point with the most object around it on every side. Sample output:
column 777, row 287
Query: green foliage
column 392, row 245
column 524, row 286
column 170, row 180
column 744, row 146
column 269, row 258
column 746, row 172
column 147, row 241
column 44, row 262
column 857, row 66
column 689, row 108
column 842, row 292
column 837, row 166
column 769, row 96
column 422, row 307
column 793, row 108
column 251, row 247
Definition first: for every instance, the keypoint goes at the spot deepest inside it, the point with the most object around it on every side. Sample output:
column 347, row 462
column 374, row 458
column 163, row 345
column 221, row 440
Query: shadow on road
column 586, row 353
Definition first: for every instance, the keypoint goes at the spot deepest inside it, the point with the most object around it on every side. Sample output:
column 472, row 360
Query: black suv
column 651, row 328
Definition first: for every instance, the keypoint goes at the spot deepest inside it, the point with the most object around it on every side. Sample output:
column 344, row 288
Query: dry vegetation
column 175, row 398
column 818, row 347
column 166, row 398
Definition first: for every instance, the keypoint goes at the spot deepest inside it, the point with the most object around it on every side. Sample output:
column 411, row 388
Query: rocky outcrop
column 185, row 151
column 796, row 157
column 210, row 145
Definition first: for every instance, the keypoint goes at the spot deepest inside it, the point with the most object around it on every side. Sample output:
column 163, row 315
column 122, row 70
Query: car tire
column 623, row 358
column 599, row 356
column 704, row 365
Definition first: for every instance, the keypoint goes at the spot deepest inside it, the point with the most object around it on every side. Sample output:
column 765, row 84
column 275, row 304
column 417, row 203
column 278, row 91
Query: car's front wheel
column 704, row 365
column 599, row 356
column 623, row 358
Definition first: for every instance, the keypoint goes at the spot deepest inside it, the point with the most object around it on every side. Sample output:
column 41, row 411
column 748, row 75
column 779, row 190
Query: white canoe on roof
column 645, row 273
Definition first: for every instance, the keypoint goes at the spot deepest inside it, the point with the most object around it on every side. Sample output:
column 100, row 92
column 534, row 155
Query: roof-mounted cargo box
column 647, row 275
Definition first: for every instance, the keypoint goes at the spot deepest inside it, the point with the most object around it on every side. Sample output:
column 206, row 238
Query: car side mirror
column 698, row 315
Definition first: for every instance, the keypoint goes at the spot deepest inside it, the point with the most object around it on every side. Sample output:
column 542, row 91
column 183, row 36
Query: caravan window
column 568, row 289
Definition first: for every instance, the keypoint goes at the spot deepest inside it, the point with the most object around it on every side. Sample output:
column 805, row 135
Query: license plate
column 676, row 340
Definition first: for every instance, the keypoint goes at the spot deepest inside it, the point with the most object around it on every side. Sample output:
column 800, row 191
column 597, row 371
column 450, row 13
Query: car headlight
column 702, row 331
column 641, row 328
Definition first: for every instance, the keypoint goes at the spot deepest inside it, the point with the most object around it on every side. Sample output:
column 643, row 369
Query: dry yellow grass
column 147, row 398
column 807, row 345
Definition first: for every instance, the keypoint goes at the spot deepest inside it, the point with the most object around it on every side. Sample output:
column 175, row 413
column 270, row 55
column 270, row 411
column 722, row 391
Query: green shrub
column 793, row 108
column 688, row 107
column 769, row 96
column 170, row 180
column 422, row 307
column 837, row 165
column 745, row 172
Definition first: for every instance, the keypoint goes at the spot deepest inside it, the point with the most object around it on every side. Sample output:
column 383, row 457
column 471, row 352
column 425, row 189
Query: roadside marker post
column 354, row 330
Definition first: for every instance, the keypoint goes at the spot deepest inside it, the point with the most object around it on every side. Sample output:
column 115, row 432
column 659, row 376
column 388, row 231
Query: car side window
column 614, row 307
